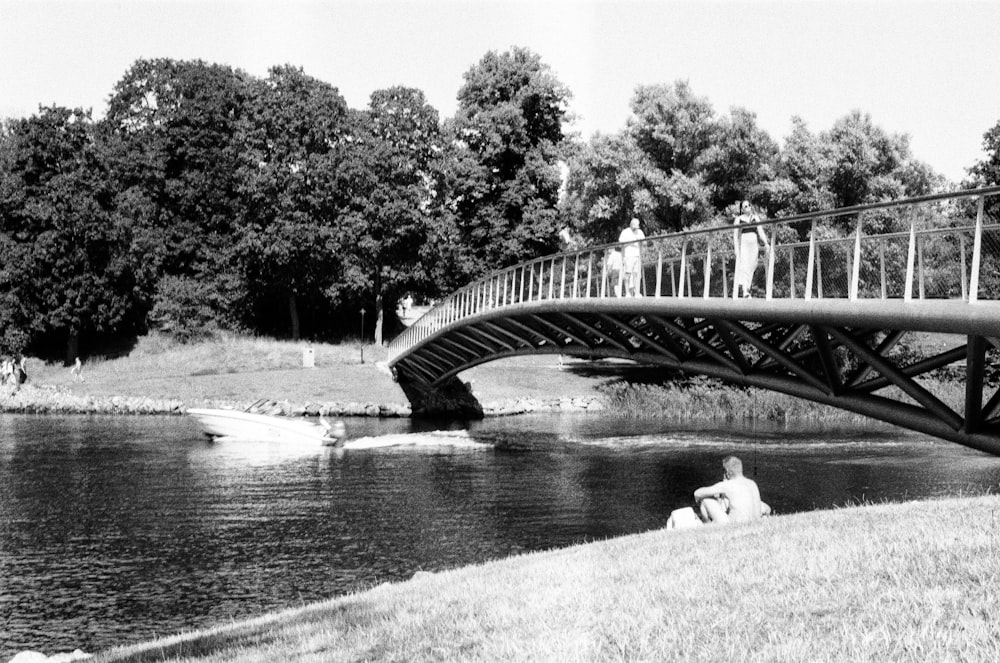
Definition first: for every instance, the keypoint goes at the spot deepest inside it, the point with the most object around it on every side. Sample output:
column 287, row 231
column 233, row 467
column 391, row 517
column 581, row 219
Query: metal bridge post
column 659, row 271
column 977, row 248
column 769, row 278
column 641, row 286
column 975, row 360
column 811, row 262
column 562, row 284
column 920, row 265
column 590, row 271
column 684, row 248
column 576, row 276
column 736, row 263
column 708, row 272
column 910, row 255
column 881, row 259
column 856, row 267
column 604, row 276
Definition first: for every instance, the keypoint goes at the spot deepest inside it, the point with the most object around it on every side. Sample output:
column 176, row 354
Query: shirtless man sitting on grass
column 735, row 499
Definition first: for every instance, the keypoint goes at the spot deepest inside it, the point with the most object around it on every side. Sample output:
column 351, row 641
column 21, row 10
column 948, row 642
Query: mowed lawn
column 233, row 369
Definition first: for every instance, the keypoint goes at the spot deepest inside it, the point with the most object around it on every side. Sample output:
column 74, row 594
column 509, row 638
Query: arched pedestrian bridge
column 851, row 307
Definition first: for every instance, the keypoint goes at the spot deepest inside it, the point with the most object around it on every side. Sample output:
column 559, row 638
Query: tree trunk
column 72, row 347
column 378, row 321
column 293, row 313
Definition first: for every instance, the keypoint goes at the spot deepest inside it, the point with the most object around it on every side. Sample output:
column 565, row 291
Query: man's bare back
column 734, row 499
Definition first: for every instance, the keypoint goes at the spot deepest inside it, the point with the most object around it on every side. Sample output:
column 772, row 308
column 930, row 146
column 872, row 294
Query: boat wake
column 699, row 440
column 431, row 439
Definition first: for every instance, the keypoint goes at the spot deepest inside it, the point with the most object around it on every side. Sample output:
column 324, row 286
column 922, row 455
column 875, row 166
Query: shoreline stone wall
column 31, row 399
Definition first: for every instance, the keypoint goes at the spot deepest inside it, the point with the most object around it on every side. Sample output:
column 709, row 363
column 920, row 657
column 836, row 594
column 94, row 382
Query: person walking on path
column 631, row 257
column 77, row 371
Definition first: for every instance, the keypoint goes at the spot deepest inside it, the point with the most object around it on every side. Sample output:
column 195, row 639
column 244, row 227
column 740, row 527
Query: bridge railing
column 944, row 246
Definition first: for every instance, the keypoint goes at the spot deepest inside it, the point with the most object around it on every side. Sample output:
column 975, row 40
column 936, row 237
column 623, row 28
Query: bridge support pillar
column 450, row 398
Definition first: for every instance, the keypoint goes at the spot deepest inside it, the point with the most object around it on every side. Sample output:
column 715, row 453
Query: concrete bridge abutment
column 449, row 398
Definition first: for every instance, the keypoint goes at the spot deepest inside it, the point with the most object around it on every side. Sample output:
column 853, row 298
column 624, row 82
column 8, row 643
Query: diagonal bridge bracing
column 865, row 354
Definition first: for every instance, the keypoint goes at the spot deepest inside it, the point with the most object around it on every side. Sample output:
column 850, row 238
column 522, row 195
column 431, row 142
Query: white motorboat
column 263, row 421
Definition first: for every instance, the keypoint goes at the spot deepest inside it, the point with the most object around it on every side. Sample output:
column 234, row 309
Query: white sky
column 927, row 69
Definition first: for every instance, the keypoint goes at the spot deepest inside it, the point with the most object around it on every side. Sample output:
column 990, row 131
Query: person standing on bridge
column 745, row 241
column 631, row 257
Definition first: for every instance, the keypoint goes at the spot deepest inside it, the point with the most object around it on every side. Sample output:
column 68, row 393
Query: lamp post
column 362, row 335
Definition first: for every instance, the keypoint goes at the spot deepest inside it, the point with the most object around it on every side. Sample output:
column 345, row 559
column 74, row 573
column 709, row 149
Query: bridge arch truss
column 834, row 320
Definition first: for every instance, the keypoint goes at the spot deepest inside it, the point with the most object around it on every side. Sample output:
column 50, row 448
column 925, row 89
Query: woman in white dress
column 747, row 248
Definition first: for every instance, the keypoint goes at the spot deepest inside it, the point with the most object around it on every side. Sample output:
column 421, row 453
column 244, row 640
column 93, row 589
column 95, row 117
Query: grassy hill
column 900, row 582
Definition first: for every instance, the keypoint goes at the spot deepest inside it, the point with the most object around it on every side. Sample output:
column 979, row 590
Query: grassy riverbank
column 900, row 582
column 159, row 376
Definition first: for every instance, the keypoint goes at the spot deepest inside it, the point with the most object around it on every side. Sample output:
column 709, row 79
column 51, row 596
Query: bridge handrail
column 933, row 255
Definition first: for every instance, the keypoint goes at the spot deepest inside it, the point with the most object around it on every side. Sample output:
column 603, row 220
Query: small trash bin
column 308, row 358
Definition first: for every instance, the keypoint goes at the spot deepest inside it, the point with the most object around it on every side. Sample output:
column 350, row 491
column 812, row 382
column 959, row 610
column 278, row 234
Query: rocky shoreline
column 30, row 399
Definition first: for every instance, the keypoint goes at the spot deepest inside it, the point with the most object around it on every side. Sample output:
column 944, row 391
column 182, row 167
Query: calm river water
column 115, row 530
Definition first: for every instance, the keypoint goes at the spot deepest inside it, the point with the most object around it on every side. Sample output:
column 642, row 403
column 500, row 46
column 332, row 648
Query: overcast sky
column 927, row 69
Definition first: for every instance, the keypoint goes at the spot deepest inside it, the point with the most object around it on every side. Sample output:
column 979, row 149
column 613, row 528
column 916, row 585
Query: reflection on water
column 117, row 530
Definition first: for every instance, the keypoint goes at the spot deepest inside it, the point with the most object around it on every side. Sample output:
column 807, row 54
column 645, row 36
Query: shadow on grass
column 256, row 634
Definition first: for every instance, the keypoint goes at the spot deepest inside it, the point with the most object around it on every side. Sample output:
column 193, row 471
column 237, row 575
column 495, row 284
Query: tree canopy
column 508, row 133
column 66, row 269
column 207, row 198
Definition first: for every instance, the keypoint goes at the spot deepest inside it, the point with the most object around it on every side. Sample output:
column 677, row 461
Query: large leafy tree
column 181, row 128
column 65, row 270
column 802, row 179
column 741, row 160
column 675, row 128
column 986, row 172
column 509, row 132
column 864, row 161
column 286, row 249
column 393, row 185
column 610, row 181
column 672, row 125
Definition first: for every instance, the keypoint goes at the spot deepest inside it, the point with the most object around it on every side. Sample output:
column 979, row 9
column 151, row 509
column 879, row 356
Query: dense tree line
column 679, row 164
column 210, row 199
